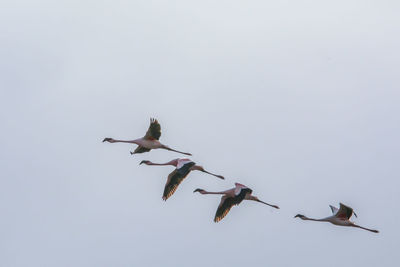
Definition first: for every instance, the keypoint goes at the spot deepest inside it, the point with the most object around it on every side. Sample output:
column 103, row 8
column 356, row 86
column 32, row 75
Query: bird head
column 300, row 216
column 145, row 162
column 108, row 139
column 201, row 191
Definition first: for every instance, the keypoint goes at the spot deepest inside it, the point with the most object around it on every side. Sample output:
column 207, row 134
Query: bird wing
column 175, row 178
column 334, row 209
column 239, row 188
column 344, row 212
column 228, row 202
column 224, row 207
column 182, row 162
column 154, row 131
column 141, row 149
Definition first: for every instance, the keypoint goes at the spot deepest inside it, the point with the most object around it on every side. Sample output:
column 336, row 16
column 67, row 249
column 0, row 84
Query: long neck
column 371, row 230
column 214, row 193
column 126, row 141
column 172, row 162
column 315, row 220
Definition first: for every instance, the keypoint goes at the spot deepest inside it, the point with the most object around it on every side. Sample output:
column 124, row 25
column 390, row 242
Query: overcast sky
column 299, row 100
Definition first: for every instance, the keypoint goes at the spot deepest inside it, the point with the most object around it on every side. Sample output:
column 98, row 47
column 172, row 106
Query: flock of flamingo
column 234, row 196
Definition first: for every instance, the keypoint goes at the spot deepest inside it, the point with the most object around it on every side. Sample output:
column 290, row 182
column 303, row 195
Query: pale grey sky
column 299, row 100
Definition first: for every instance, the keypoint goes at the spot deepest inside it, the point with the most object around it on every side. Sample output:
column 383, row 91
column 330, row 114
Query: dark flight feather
column 154, row 131
column 344, row 211
column 175, row 178
column 227, row 203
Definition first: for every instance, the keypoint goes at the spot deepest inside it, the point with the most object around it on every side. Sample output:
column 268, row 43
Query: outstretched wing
column 334, row 209
column 154, row 131
column 224, row 207
column 140, row 149
column 175, row 178
column 344, row 212
column 228, row 202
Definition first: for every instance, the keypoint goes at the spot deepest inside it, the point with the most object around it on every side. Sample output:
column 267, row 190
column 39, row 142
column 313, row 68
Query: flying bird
column 148, row 142
column 340, row 217
column 232, row 197
column 183, row 168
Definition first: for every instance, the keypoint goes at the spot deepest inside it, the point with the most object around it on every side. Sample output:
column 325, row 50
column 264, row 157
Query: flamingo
column 183, row 168
column 149, row 141
column 340, row 217
column 232, row 197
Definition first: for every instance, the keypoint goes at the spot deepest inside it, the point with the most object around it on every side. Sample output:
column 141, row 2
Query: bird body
column 340, row 217
column 182, row 162
column 148, row 142
column 232, row 197
column 182, row 170
column 336, row 221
